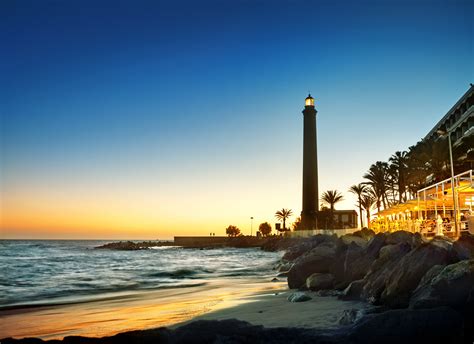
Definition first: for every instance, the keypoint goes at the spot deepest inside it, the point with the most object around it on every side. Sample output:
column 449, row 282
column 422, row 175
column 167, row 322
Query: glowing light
column 309, row 101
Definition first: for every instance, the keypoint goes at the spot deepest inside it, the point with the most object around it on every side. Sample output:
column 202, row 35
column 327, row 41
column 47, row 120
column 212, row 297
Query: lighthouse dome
column 309, row 101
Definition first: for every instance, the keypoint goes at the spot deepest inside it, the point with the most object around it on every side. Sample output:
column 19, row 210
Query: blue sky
column 193, row 109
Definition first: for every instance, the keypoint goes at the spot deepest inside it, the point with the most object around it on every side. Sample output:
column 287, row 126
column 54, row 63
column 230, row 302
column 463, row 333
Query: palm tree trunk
column 360, row 213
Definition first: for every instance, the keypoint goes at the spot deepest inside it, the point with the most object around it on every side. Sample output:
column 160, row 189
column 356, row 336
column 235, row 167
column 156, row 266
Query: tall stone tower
column 310, row 167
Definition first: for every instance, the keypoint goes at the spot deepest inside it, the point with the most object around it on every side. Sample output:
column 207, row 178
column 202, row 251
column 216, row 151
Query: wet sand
column 132, row 311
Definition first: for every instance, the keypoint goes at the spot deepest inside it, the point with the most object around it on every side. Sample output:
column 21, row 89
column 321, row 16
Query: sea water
column 48, row 272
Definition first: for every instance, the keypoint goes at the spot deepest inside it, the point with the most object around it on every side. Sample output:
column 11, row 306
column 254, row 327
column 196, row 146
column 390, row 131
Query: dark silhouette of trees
column 265, row 228
column 283, row 215
column 359, row 190
column 232, row 231
column 331, row 197
column 398, row 167
column 368, row 202
column 296, row 226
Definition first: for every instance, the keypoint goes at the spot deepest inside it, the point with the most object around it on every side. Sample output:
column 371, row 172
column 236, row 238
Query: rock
column 439, row 325
column 296, row 251
column 298, row 297
column 399, row 237
column 464, row 247
column 356, row 263
column 364, row 233
column 442, row 242
column 319, row 281
column 375, row 244
column 350, row 316
column 376, row 278
column 275, row 280
column 304, row 245
column 409, row 271
column 349, row 238
column 452, row 286
column 353, row 290
column 318, row 259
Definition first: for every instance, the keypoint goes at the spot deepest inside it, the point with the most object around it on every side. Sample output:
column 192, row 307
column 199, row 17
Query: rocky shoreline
column 421, row 291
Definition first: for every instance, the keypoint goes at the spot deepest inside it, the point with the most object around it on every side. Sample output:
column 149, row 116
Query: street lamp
column 444, row 132
column 251, row 225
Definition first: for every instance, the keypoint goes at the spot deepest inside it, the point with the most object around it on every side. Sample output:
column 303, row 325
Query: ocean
column 56, row 272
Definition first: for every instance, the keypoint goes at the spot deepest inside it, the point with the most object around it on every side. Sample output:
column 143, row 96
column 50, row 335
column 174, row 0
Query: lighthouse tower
column 310, row 167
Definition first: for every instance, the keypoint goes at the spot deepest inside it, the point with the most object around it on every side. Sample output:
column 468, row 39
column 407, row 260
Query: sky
column 148, row 119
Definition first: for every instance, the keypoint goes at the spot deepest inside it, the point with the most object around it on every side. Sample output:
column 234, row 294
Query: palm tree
column 331, row 197
column 282, row 215
column 359, row 190
column 378, row 177
column 368, row 202
column 399, row 165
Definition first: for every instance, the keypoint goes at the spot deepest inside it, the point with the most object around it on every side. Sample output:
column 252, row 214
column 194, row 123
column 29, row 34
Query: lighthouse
column 310, row 167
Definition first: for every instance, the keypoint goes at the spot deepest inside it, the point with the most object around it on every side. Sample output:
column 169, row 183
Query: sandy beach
column 133, row 311
column 257, row 302
column 274, row 310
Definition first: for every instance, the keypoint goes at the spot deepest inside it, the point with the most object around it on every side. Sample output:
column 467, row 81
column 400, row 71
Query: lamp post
column 447, row 132
column 251, row 225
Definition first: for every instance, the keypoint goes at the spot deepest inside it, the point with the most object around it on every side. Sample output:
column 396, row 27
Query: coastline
column 133, row 311
column 389, row 286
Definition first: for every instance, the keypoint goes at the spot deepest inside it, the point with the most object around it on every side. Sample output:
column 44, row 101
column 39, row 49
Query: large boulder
column 319, row 281
column 302, row 246
column 376, row 279
column 409, row 271
column 464, row 247
column 439, row 325
column 356, row 263
column 375, row 244
column 451, row 286
column 296, row 251
column 399, row 237
column 319, row 259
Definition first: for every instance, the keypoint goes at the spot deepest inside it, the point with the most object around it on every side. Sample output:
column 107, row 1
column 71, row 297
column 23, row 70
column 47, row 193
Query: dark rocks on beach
column 319, row 259
column 375, row 280
column 203, row 332
column 451, row 286
column 438, row 325
column 364, row 233
column 320, row 281
column 353, row 239
column 464, row 247
column 350, row 316
column 356, row 263
column 353, row 290
column 298, row 297
column 406, row 275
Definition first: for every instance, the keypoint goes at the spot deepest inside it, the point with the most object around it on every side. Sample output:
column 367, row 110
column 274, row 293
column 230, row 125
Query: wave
column 88, row 298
